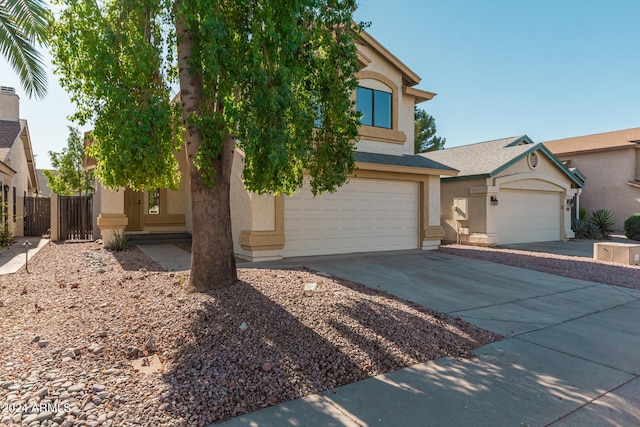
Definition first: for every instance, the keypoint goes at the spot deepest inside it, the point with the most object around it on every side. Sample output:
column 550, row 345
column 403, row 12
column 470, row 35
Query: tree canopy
column 23, row 24
column 70, row 176
column 256, row 74
column 425, row 133
column 265, row 69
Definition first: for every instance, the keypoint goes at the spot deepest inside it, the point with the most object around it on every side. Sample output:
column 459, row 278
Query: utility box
column 461, row 208
column 621, row 253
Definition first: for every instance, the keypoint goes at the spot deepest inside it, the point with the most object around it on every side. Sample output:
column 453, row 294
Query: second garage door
column 364, row 215
column 528, row 216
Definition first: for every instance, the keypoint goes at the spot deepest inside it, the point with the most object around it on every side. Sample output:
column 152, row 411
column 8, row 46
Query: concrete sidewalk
column 12, row 258
column 570, row 357
column 170, row 257
column 581, row 247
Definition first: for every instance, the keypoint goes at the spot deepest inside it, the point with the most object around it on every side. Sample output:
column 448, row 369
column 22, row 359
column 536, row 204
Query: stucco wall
column 18, row 162
column 607, row 173
column 248, row 211
column 477, row 219
column 9, row 106
column 176, row 200
column 382, row 75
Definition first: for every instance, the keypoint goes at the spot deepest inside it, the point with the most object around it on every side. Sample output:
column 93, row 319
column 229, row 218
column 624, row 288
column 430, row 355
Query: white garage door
column 364, row 215
column 528, row 216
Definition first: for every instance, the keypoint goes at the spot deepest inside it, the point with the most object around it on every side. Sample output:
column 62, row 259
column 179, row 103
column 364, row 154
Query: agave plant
column 603, row 221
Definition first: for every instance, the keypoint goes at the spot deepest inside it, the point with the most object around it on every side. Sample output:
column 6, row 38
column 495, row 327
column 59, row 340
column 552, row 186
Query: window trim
column 372, row 133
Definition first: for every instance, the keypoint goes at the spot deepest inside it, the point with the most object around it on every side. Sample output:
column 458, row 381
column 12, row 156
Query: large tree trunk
column 212, row 259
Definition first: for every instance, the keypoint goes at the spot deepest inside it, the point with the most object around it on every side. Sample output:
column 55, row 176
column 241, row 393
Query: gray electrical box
column 461, row 208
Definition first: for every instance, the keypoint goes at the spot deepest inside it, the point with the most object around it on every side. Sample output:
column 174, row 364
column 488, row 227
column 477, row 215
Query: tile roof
column 483, row 158
column 599, row 141
column 9, row 131
column 401, row 160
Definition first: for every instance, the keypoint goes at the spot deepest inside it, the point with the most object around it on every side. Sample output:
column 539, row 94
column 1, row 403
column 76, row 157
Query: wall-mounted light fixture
column 494, row 200
column 569, row 203
column 5, row 188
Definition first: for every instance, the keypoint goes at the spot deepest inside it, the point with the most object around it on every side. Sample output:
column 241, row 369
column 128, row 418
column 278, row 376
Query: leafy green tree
column 70, row 177
column 23, row 23
column 252, row 73
column 425, row 133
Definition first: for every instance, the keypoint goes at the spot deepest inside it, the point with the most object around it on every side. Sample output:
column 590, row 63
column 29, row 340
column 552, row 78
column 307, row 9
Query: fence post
column 54, row 235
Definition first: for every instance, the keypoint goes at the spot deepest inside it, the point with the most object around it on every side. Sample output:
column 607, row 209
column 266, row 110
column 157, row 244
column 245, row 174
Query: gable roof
column 405, row 160
column 487, row 159
column 597, row 142
column 9, row 131
column 408, row 76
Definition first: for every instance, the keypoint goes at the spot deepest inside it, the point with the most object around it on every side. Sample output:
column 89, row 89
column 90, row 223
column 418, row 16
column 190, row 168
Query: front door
column 133, row 209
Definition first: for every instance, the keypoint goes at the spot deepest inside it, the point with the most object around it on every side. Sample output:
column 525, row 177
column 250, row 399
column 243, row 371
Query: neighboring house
column 611, row 161
column 508, row 191
column 392, row 200
column 17, row 165
column 43, row 183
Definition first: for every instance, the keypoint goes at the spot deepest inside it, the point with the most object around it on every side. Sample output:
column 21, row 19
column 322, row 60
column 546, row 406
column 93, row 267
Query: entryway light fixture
column 494, row 200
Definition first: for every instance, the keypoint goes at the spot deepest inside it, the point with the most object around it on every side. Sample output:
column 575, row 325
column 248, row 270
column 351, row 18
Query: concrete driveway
column 570, row 357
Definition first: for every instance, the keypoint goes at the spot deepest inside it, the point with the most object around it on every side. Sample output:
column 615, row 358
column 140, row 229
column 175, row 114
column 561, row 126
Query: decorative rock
column 95, row 349
column 76, row 388
column 267, row 367
column 163, row 407
column 44, row 416
column 30, row 418
column 67, row 359
column 42, row 392
column 243, row 326
column 97, row 388
column 310, row 286
column 43, row 343
column 69, row 352
column 36, row 338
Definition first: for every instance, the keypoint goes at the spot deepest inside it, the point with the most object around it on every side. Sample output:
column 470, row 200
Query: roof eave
column 381, row 167
column 409, row 76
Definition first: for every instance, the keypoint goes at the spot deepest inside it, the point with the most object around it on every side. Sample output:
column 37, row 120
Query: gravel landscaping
column 95, row 338
column 582, row 268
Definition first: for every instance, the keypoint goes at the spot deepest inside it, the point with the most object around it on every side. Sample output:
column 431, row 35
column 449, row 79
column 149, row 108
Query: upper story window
column 375, row 107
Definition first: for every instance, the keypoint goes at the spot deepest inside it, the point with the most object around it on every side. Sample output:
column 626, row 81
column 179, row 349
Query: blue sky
column 546, row 68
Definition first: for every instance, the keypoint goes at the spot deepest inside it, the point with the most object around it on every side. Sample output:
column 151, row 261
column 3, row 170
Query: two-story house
column 391, row 202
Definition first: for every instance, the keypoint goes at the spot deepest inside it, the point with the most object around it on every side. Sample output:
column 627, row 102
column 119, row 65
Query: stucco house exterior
column 18, row 177
column 508, row 190
column 611, row 161
column 391, row 202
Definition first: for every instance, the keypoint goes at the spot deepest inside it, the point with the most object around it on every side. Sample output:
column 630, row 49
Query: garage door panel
column 364, row 215
column 528, row 216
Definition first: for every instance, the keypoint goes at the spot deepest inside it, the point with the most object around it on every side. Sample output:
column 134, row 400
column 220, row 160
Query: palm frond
column 22, row 23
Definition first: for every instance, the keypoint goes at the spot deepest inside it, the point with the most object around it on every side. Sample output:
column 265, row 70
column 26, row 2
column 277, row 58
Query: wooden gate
column 76, row 217
column 37, row 216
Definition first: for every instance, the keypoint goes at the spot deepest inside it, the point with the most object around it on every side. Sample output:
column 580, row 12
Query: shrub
column 120, row 242
column 632, row 227
column 597, row 225
column 603, row 221
column 6, row 237
column 583, row 213
column 585, row 230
